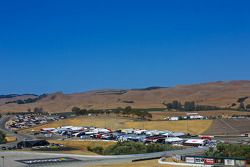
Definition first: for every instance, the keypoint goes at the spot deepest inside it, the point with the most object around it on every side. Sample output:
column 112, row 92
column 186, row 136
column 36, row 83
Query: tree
column 169, row 106
column 118, row 110
column 142, row 114
column 248, row 107
column 127, row 110
column 75, row 109
column 149, row 115
column 242, row 99
column 2, row 137
column 174, row 105
column 38, row 110
column 189, row 106
column 242, row 107
column 177, row 105
column 78, row 111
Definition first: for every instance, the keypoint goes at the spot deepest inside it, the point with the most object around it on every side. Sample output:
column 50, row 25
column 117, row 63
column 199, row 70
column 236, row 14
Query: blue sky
column 73, row 46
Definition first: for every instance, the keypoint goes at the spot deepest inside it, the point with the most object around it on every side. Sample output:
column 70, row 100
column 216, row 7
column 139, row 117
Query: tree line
column 26, row 101
column 189, row 106
column 240, row 105
column 126, row 112
column 129, row 147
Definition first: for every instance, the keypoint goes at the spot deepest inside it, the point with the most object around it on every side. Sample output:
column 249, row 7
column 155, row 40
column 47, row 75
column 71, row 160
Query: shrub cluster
column 127, row 111
column 128, row 147
column 230, row 150
column 2, row 138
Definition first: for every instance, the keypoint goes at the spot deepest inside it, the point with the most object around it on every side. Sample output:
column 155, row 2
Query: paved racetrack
column 12, row 156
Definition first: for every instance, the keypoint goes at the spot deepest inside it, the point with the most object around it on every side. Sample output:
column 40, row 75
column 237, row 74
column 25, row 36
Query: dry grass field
column 223, row 113
column 81, row 146
column 10, row 139
column 192, row 126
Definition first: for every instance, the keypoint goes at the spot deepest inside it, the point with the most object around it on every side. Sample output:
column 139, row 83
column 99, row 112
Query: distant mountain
column 151, row 88
column 221, row 94
column 9, row 96
column 14, row 97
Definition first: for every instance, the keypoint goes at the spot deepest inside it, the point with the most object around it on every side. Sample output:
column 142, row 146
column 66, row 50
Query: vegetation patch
column 190, row 106
column 128, row 147
column 126, row 112
column 2, row 137
column 29, row 100
column 230, row 150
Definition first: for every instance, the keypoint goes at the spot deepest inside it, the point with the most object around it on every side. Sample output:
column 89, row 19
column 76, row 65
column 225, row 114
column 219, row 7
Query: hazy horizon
column 114, row 88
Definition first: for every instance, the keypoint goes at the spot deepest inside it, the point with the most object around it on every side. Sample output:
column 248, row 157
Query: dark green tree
column 248, row 107
column 189, row 106
column 2, row 137
column 127, row 111
column 242, row 107
column 75, row 109
column 177, row 105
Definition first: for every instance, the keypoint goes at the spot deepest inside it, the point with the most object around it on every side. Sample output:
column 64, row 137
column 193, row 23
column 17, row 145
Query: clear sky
column 73, row 46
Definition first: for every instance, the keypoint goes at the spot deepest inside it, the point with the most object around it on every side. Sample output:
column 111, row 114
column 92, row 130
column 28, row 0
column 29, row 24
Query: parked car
column 4, row 148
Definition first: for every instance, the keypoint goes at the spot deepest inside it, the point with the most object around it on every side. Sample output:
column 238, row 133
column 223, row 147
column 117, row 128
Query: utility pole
column 187, row 122
column 2, row 160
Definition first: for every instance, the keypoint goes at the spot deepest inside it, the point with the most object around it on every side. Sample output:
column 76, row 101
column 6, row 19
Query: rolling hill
column 221, row 94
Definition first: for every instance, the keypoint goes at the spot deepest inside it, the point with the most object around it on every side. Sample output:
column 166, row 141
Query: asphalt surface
column 12, row 156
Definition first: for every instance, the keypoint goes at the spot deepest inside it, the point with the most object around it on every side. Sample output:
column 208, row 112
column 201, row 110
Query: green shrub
column 2, row 137
column 97, row 149
column 122, row 148
column 230, row 150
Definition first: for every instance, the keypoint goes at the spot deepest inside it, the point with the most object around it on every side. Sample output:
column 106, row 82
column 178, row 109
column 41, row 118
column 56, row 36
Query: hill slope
column 217, row 93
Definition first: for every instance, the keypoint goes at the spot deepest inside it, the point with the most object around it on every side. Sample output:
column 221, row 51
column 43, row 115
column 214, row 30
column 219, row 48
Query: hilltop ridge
column 221, row 94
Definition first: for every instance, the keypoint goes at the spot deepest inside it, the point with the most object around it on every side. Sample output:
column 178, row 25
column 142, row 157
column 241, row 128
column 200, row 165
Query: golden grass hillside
column 221, row 94
column 191, row 126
